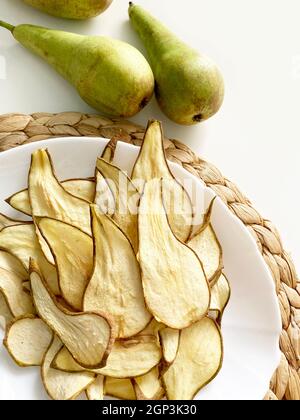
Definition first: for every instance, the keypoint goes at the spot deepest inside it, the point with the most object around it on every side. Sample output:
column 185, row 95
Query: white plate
column 251, row 324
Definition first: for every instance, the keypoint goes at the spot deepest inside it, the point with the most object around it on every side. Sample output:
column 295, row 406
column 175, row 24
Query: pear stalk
column 7, row 26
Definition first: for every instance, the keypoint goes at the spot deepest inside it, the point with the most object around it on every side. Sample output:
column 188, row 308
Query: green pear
column 189, row 86
column 71, row 9
column 111, row 76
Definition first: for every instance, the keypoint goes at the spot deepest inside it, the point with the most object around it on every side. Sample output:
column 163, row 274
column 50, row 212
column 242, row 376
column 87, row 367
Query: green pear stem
column 7, row 26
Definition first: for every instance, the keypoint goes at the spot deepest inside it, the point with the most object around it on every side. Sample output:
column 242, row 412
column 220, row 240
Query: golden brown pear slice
column 27, row 340
column 61, row 385
column 110, row 149
column 220, row 296
column 149, row 386
column 175, row 287
column 119, row 388
column 10, row 263
column 6, row 315
column 95, row 391
column 152, row 164
column 81, row 188
column 73, row 253
column 198, row 361
column 115, row 287
column 49, row 199
column 169, row 339
column 88, row 336
column 21, row 241
column 128, row 358
column 126, row 198
column 7, row 221
column 206, row 245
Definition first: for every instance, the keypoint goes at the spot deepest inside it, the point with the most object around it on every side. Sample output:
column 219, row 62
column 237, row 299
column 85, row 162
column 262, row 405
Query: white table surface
column 254, row 140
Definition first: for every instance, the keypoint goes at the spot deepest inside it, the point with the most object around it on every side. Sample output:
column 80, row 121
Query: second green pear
column 189, row 86
column 111, row 76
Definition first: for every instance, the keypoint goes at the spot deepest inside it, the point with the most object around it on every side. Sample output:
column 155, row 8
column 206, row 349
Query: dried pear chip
column 49, row 199
column 175, row 287
column 119, row 388
column 18, row 301
column 126, row 198
column 110, row 149
column 21, row 241
column 149, row 386
column 152, row 164
column 206, row 245
column 6, row 315
column 104, row 197
column 7, row 221
column 220, row 295
column 81, row 188
column 198, row 361
column 27, row 340
column 169, row 339
column 95, row 391
column 87, row 335
column 152, row 328
column 115, row 287
column 44, row 246
column 11, row 263
column 73, row 253
column 128, row 358
column 61, row 385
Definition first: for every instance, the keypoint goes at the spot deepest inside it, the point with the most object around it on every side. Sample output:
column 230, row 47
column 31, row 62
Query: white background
column 254, row 140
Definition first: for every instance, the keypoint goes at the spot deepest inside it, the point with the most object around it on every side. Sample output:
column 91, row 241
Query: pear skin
column 189, row 86
column 111, row 76
column 71, row 9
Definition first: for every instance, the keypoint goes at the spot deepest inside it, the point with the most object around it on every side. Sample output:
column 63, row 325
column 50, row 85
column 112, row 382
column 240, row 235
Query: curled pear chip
column 152, row 164
column 21, row 241
column 119, row 388
column 220, row 295
column 115, row 287
column 62, row 385
column 10, row 263
column 27, row 340
column 206, row 245
column 95, row 391
column 149, row 386
column 6, row 315
column 87, row 335
column 7, row 221
column 73, row 253
column 128, row 358
column 199, row 359
column 126, row 199
column 169, row 339
column 175, row 287
column 49, row 199
column 81, row 188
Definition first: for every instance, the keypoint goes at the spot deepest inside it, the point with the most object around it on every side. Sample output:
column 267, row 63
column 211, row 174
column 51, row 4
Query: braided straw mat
column 18, row 129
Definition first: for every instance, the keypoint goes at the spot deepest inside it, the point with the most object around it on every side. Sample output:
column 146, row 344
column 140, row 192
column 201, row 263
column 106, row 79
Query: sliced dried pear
column 49, row 199
column 126, row 198
column 61, row 385
column 169, row 339
column 115, row 287
column 220, row 295
column 104, row 197
column 152, row 328
column 175, row 287
column 87, row 335
column 73, row 253
column 7, row 221
column 81, row 188
column 110, row 149
column 119, row 388
column 21, row 241
column 6, row 315
column 128, row 358
column 27, row 340
column 95, row 391
column 198, row 361
column 149, row 386
column 19, row 301
column 11, row 263
column 206, row 245
column 152, row 164
column 44, row 246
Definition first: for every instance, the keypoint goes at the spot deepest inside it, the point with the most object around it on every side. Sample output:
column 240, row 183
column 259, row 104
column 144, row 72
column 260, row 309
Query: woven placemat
column 18, row 129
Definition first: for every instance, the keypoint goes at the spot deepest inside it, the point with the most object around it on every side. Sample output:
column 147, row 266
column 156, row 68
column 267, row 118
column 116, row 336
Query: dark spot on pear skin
column 144, row 102
column 198, row 118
